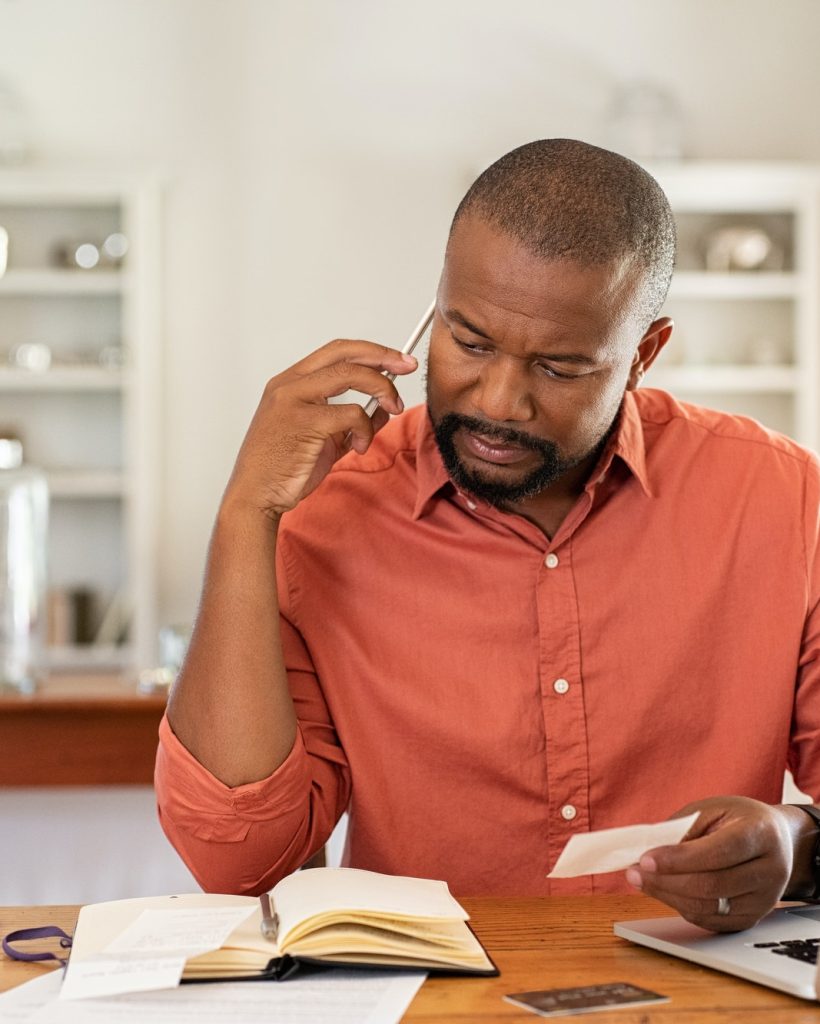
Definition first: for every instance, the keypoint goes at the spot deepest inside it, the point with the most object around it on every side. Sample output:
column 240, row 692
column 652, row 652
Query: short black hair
column 567, row 200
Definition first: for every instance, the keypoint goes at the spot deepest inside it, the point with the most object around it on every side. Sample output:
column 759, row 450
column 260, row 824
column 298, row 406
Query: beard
column 551, row 467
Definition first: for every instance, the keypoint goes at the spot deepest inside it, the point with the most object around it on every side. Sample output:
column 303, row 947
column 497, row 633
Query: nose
column 501, row 392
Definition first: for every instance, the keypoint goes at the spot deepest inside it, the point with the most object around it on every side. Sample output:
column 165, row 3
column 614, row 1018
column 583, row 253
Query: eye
column 470, row 346
column 550, row 371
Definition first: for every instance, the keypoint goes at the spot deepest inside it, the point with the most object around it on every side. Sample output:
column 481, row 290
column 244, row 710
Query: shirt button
column 560, row 686
column 471, row 505
column 551, row 560
column 568, row 812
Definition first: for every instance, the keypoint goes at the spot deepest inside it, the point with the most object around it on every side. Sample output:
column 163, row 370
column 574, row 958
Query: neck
column 548, row 509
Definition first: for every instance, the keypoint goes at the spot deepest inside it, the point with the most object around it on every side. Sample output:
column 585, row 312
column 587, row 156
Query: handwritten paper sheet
column 615, row 849
column 109, row 976
column 151, row 953
column 330, row 997
column 186, row 931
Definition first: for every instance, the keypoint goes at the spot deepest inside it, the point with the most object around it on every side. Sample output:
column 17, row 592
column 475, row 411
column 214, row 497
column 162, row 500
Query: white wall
column 314, row 150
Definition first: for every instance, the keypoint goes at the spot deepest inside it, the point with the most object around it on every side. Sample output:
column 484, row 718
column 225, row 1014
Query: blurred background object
column 644, row 121
column 32, row 356
column 13, row 133
column 173, row 643
column 23, row 560
column 742, row 248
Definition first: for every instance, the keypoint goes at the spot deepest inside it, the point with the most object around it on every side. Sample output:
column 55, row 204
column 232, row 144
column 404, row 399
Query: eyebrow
column 556, row 357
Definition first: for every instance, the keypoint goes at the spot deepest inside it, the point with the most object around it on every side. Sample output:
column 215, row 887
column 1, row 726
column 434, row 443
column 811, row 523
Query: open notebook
column 320, row 916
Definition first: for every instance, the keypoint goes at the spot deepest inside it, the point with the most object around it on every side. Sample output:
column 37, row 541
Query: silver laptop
column 780, row 951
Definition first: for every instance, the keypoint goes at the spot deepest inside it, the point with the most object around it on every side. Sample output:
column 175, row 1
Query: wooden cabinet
column 79, row 731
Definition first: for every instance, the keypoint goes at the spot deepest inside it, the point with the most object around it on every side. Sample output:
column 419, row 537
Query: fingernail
column 400, row 403
column 648, row 863
column 408, row 358
column 634, row 878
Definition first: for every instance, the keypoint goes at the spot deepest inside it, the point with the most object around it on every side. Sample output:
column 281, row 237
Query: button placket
column 565, row 727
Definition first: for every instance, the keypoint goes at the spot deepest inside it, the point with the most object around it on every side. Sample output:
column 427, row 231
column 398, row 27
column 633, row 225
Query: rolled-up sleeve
column 244, row 839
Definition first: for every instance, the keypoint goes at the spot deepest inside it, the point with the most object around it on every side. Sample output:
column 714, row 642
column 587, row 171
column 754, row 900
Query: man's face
column 529, row 360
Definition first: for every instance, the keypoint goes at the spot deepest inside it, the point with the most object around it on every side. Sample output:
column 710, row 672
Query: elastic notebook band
column 49, row 931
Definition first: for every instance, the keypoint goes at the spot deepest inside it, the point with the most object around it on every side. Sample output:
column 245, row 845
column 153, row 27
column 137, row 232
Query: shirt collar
column 431, row 476
column 627, row 443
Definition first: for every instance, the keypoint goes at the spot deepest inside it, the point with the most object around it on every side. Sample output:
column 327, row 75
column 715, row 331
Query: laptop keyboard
column 795, row 949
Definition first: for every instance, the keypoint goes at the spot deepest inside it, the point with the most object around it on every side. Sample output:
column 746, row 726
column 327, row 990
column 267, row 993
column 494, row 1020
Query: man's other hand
column 739, row 850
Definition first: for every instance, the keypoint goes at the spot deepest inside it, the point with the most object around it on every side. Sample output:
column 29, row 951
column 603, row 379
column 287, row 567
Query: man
column 546, row 602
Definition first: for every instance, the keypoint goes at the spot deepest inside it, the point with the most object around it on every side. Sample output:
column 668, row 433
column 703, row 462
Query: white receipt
column 151, row 953
column 614, row 849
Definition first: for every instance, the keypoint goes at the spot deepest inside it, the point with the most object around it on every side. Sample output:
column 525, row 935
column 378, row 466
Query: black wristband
column 814, row 814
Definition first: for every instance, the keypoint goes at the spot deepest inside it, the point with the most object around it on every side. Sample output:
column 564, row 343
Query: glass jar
column 23, row 549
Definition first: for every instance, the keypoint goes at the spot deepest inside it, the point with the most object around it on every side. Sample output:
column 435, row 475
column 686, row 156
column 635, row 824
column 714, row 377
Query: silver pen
column 270, row 920
column 418, row 333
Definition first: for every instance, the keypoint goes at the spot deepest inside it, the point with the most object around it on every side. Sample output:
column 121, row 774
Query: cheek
column 593, row 415
column 577, row 415
column 447, row 372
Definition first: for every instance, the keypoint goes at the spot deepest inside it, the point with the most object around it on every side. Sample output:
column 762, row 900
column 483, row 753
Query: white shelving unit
column 94, row 429
column 746, row 340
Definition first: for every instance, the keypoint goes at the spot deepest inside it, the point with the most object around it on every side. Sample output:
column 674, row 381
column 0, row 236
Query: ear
column 648, row 350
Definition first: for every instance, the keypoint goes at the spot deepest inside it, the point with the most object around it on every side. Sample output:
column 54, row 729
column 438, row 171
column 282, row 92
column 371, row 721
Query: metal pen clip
column 270, row 919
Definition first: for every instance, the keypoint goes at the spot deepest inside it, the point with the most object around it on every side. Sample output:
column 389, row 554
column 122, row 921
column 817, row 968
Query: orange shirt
column 475, row 692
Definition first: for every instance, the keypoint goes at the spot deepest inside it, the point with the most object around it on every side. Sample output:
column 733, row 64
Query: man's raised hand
column 296, row 435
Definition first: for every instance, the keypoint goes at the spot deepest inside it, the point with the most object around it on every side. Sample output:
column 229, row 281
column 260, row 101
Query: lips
column 490, row 449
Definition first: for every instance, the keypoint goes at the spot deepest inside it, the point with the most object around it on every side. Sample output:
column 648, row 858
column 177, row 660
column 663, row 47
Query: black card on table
column 562, row 1002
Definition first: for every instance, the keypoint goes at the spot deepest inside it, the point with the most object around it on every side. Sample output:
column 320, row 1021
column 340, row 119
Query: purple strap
column 49, row 931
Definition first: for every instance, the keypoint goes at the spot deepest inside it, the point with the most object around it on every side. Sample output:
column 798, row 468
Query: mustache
column 454, row 421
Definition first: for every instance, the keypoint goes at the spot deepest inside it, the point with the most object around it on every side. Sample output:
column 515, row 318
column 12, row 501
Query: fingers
column 737, row 853
column 705, row 886
column 744, row 912
column 735, row 843
column 751, row 888
column 296, row 435
column 365, row 353
column 338, row 378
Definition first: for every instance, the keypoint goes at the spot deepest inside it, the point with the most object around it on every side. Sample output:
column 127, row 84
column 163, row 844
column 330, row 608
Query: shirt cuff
column 196, row 801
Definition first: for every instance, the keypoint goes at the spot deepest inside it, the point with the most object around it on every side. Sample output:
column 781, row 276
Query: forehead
column 501, row 279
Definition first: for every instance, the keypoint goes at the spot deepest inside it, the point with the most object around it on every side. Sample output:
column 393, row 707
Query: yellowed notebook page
column 342, row 938
column 332, row 891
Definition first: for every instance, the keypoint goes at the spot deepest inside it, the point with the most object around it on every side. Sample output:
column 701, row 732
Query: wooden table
column 545, row 943
column 92, row 730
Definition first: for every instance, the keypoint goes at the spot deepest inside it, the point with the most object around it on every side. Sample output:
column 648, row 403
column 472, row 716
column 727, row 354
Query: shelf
column 62, row 378
column 738, row 285
column 68, row 483
column 726, row 379
column 88, row 657
column 63, row 282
